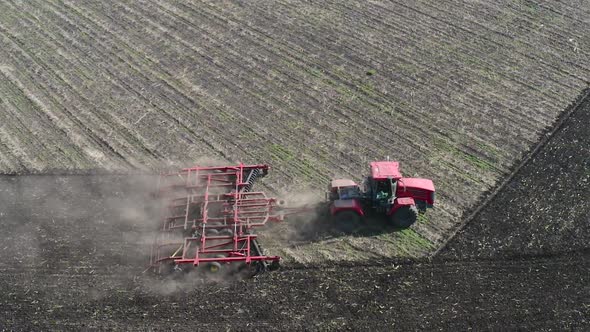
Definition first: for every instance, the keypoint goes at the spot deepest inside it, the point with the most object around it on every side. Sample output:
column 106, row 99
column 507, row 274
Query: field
column 457, row 92
column 85, row 238
column 489, row 99
column 73, row 249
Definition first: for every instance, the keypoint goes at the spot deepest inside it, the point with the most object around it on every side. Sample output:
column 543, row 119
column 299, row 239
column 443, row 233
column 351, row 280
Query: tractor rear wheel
column 405, row 216
column 347, row 221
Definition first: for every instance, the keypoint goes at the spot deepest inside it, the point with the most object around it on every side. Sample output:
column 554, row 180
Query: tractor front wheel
column 405, row 216
column 347, row 221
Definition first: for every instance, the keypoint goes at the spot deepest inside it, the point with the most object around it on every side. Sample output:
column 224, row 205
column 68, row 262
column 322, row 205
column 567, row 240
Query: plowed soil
column 537, row 294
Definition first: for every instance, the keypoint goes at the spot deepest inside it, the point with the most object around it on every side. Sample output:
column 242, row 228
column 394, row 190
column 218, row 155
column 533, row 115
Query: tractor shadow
column 322, row 228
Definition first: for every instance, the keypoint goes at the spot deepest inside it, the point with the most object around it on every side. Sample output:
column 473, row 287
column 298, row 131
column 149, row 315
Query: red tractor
column 383, row 193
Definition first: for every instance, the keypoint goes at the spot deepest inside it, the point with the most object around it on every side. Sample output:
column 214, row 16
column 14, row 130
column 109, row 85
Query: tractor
column 383, row 193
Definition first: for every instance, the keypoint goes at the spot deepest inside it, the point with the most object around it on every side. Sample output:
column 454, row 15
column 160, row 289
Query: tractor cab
column 381, row 185
column 381, row 193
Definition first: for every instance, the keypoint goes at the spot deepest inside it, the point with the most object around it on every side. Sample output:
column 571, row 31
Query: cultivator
column 211, row 213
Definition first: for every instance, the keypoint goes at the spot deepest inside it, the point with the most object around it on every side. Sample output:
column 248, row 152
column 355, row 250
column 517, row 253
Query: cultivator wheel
column 210, row 216
column 214, row 267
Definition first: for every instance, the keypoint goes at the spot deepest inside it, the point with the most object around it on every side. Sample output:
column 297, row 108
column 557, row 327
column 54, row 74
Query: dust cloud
column 305, row 218
column 101, row 228
column 84, row 226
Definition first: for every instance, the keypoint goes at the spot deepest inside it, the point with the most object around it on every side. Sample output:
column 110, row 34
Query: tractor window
column 334, row 194
column 383, row 190
column 349, row 192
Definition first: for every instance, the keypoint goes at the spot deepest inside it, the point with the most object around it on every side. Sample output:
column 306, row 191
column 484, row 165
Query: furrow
column 78, row 124
column 85, row 123
column 32, row 123
column 356, row 111
column 139, row 91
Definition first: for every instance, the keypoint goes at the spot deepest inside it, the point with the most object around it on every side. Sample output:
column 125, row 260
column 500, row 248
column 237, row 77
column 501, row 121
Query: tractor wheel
column 405, row 216
column 347, row 221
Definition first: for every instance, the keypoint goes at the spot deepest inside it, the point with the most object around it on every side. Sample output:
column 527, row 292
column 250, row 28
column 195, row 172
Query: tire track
column 359, row 114
column 236, row 63
column 461, row 170
column 488, row 38
column 97, row 135
column 510, row 10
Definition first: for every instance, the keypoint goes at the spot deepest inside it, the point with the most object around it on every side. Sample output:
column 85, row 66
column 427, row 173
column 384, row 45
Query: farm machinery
column 383, row 193
column 211, row 213
column 210, row 217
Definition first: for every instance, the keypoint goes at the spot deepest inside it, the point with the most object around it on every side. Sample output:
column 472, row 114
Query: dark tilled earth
column 73, row 248
column 544, row 293
column 545, row 208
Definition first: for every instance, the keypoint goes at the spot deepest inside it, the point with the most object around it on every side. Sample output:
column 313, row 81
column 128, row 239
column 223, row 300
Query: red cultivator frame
column 211, row 212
